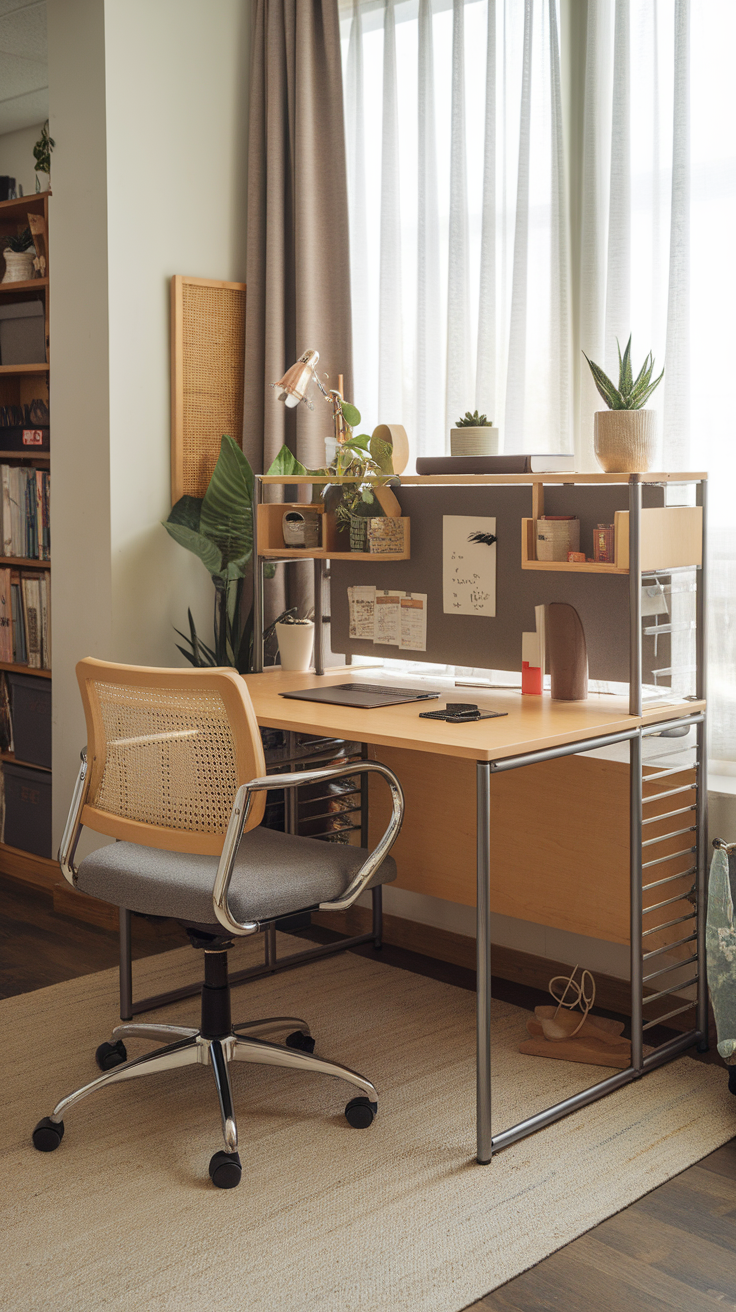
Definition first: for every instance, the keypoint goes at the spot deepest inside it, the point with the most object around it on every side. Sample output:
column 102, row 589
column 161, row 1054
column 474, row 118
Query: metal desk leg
column 126, row 966
column 635, row 905
column 483, row 960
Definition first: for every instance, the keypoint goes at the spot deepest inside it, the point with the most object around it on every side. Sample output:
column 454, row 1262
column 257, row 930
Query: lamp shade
column 292, row 388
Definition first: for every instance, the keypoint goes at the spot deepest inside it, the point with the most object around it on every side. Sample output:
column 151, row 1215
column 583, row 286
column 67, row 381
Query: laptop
column 363, row 695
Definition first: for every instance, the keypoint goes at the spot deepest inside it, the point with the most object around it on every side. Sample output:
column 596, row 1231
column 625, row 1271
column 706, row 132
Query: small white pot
column 481, row 441
column 18, row 265
column 295, row 645
column 625, row 440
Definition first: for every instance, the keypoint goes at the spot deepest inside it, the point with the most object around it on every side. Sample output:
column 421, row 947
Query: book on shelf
column 556, row 463
column 20, row 655
column 24, row 512
column 6, row 617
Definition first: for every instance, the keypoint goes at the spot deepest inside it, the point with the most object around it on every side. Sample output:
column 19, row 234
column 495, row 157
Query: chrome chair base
column 188, row 1047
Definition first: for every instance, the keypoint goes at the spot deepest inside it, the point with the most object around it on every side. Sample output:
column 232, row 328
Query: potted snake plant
column 625, row 435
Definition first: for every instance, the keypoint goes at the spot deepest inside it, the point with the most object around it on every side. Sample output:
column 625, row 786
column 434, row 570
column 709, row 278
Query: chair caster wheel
column 111, row 1054
column 48, row 1135
column 732, row 1079
column 360, row 1113
column 225, row 1170
column 304, row 1042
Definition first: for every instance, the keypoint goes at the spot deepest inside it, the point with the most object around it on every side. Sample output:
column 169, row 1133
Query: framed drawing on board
column 207, row 369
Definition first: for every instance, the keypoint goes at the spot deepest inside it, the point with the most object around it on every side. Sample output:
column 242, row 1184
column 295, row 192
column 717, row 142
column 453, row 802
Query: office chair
column 174, row 770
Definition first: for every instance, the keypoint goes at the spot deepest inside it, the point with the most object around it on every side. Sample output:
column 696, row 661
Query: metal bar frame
column 488, row 1144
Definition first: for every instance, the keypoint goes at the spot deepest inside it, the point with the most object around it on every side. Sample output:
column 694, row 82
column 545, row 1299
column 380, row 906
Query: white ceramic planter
column 474, row 441
column 625, row 440
column 295, row 645
column 18, row 265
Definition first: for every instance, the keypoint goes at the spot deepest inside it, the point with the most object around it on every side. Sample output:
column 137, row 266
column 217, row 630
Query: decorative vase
column 468, row 441
column 358, row 532
column 18, row 265
column 295, row 644
column 625, row 440
column 567, row 653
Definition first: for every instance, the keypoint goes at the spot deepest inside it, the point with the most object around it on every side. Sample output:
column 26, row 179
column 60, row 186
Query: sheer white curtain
column 459, row 228
column 658, row 218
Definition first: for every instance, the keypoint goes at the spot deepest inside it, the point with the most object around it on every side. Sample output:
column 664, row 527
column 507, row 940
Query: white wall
column 149, row 112
column 16, row 158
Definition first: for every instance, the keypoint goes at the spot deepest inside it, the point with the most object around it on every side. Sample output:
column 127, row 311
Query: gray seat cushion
column 275, row 875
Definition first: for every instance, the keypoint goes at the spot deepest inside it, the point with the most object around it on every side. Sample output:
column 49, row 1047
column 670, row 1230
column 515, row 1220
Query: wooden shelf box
column 334, row 543
column 671, row 538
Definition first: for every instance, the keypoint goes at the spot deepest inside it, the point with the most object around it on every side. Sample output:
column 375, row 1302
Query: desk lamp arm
column 239, row 818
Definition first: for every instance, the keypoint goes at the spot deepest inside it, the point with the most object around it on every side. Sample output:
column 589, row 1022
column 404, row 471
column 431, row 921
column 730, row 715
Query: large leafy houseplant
column 218, row 528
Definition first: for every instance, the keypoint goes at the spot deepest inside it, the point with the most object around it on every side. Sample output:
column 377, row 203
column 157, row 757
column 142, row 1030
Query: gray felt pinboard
column 601, row 600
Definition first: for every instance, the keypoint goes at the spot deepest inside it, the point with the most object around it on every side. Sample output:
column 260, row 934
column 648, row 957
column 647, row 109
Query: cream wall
column 149, row 112
column 16, row 158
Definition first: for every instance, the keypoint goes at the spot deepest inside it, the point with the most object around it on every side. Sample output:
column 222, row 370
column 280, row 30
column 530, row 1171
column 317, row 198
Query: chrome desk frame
column 489, row 1144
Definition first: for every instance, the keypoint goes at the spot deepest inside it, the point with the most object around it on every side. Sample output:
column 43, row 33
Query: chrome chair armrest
column 73, row 826
column 239, row 817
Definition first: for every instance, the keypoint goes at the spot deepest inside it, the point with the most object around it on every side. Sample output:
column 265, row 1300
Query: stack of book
column 24, row 513
column 25, row 630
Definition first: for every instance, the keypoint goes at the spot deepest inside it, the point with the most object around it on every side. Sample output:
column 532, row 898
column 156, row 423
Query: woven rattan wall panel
column 207, row 363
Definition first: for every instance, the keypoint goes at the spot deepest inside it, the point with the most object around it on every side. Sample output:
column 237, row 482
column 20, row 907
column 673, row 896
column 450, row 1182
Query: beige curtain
column 298, row 267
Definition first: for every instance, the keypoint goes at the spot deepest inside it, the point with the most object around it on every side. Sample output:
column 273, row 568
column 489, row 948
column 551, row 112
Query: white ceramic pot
column 625, row 440
column 18, row 265
column 295, row 645
column 474, row 441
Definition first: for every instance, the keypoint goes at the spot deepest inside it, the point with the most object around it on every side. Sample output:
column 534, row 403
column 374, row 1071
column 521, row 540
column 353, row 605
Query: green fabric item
column 720, row 942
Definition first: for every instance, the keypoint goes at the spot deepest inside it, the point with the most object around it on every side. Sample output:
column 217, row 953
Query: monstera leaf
column 227, row 507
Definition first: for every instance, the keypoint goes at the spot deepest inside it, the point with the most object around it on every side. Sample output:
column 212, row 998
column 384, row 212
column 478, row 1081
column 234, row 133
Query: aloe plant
column 218, row 528
column 631, row 393
column 474, row 420
column 19, row 241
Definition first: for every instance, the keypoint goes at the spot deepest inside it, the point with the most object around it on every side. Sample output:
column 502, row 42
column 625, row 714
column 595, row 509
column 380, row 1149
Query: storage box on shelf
column 25, row 852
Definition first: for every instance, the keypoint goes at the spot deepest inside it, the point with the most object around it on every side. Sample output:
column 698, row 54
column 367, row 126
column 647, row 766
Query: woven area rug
column 399, row 1217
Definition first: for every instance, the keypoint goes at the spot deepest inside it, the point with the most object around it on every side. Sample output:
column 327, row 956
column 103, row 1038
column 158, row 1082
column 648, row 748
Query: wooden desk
column 534, row 732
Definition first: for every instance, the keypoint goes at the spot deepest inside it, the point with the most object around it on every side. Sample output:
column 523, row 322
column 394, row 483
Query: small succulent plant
column 631, row 393
column 474, row 420
column 19, row 241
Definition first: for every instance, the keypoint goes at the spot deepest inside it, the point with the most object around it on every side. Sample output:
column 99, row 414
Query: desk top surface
column 532, row 723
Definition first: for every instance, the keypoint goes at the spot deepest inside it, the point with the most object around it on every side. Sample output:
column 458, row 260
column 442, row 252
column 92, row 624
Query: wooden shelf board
column 24, row 368
column 24, row 285
column 317, row 553
column 24, row 669
column 477, row 480
column 30, row 765
column 572, row 567
column 23, row 563
column 24, row 455
column 34, row 203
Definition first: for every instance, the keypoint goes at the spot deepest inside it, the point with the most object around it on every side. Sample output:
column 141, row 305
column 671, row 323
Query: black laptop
column 363, row 695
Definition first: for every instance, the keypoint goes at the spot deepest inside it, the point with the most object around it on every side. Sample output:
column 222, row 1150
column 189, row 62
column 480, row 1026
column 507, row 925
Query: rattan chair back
column 166, row 751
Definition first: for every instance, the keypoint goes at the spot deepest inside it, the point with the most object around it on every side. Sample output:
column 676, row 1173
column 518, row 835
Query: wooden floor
column 673, row 1249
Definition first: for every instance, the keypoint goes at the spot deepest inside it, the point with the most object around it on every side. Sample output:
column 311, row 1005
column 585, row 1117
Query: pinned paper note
column 387, row 618
column 469, row 565
column 413, row 633
column 361, row 604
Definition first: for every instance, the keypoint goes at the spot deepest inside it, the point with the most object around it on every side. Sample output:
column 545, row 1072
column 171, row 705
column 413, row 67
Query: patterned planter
column 625, row 440
column 358, row 532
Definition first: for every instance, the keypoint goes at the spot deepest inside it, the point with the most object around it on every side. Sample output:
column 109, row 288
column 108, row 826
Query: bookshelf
column 20, row 384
